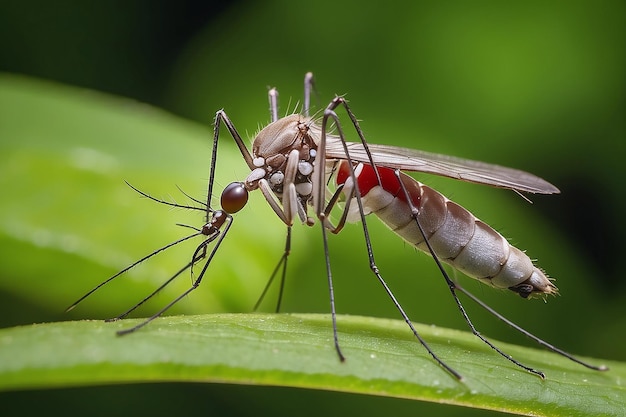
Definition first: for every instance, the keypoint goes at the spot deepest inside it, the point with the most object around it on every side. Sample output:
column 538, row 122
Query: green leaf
column 70, row 222
column 382, row 358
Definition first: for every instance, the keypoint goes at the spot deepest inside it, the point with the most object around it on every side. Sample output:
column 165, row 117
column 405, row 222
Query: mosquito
column 294, row 161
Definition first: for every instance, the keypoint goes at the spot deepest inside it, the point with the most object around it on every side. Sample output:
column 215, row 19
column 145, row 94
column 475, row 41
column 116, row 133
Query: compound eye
column 234, row 197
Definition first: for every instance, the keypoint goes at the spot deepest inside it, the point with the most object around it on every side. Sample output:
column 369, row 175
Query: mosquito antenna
column 150, row 255
column 194, row 199
column 168, row 203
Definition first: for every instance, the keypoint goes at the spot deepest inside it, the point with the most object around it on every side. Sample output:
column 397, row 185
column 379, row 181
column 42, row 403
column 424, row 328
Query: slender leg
column 453, row 287
column 215, row 229
column 217, row 236
column 527, row 333
column 282, row 265
column 322, row 213
column 162, row 286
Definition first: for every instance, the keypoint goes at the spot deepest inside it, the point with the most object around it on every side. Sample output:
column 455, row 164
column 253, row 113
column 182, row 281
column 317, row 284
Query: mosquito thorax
column 271, row 151
column 277, row 139
column 234, row 197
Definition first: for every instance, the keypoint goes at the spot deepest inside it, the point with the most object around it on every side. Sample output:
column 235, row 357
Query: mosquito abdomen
column 456, row 236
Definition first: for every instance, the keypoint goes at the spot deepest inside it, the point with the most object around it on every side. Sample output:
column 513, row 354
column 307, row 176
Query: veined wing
column 444, row 165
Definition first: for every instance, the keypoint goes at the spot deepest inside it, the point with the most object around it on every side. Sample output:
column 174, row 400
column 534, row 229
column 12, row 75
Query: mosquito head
column 234, row 197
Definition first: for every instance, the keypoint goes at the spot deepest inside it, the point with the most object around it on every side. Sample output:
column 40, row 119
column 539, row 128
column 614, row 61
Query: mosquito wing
column 444, row 165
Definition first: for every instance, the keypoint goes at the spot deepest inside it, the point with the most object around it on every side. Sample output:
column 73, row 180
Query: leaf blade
column 296, row 351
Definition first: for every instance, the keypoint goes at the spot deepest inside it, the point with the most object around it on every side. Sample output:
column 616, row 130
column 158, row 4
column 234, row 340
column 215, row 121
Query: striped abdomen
column 457, row 237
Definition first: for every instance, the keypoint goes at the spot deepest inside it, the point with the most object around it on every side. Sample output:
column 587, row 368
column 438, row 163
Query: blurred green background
column 533, row 85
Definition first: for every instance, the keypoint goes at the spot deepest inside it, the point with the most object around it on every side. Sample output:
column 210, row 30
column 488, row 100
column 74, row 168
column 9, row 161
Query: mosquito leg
column 340, row 101
column 332, row 202
column 284, row 269
column 282, row 264
column 309, row 86
column 222, row 117
column 330, row 113
column 157, row 314
column 453, row 287
column 272, row 95
column 145, row 257
column 150, row 255
column 211, row 229
column 196, row 258
column 136, row 306
column 331, row 291
column 527, row 333
column 201, row 248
